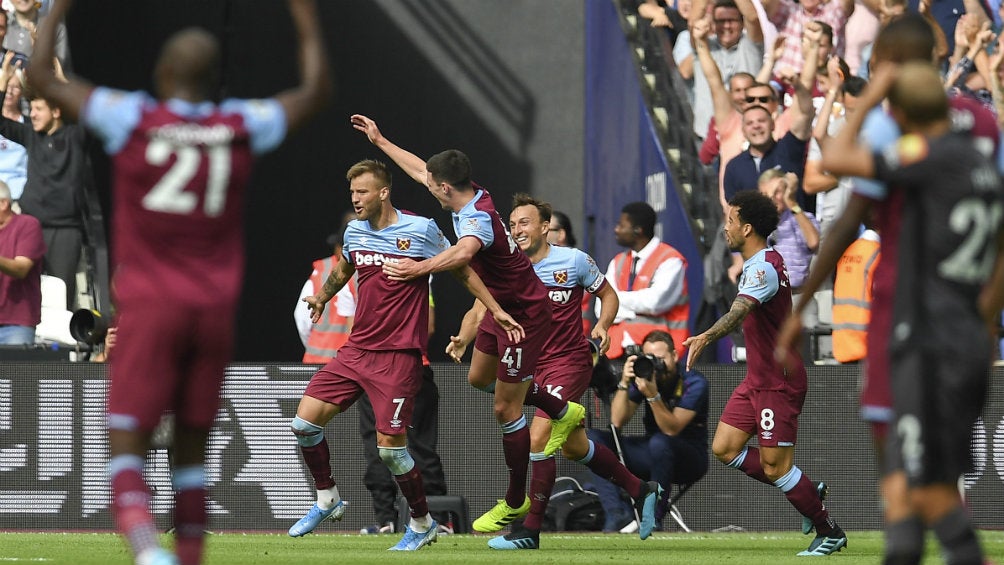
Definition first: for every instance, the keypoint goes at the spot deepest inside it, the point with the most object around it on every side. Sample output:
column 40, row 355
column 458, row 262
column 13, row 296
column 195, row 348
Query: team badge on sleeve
column 472, row 223
column 403, row 243
column 908, row 150
column 561, row 277
column 756, row 279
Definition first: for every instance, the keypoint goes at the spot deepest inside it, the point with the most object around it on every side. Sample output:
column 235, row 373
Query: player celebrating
column 181, row 166
column 483, row 241
column 949, row 285
column 564, row 370
column 770, row 398
column 383, row 355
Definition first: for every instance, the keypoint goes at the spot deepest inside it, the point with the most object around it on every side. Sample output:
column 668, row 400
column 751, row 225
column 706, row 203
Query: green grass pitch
column 745, row 548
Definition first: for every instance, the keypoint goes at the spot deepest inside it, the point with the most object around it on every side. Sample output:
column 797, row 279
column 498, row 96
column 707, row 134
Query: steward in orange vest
column 852, row 298
column 331, row 332
column 673, row 320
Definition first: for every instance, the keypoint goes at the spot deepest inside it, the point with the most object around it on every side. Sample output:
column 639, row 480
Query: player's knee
column 307, row 434
column 397, row 459
column 724, row 454
column 779, row 471
column 482, row 383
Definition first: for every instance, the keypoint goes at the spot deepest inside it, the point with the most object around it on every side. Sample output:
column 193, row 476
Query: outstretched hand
column 367, row 126
column 512, row 329
column 696, row 344
column 604, row 337
column 456, row 348
column 316, row 306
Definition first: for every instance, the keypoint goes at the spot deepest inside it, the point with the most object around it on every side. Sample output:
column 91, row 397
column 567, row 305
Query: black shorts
column 937, row 399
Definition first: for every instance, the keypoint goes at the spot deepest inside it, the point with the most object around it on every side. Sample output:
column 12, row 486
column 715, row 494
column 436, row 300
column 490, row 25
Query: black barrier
column 53, row 453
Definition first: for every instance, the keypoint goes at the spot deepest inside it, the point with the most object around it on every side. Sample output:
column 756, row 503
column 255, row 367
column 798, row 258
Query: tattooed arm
column 338, row 278
column 728, row 323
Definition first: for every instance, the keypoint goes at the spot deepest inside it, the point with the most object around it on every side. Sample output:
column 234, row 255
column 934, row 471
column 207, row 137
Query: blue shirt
column 694, row 396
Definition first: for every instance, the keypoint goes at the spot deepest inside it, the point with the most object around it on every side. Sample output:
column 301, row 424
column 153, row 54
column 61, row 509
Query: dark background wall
column 53, row 452
column 500, row 80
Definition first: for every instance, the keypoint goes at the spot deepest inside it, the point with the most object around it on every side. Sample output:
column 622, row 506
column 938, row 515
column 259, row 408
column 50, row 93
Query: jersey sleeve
column 878, row 132
column 435, row 241
column 112, row 115
column 478, row 224
column 265, row 121
column 590, row 277
column 759, row 281
column 905, row 163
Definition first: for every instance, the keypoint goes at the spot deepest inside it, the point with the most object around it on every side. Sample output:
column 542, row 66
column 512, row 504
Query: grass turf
column 768, row 548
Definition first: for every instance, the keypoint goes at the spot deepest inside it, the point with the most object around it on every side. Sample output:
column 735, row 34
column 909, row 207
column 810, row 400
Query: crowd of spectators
column 770, row 80
column 43, row 163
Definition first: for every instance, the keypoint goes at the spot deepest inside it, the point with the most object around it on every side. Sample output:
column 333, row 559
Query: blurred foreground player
column 181, row 166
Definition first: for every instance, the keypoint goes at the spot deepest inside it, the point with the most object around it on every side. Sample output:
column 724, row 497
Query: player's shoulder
column 413, row 221
column 250, row 106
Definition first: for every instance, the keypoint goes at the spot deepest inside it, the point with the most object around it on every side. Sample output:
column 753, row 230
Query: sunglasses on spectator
column 760, row 99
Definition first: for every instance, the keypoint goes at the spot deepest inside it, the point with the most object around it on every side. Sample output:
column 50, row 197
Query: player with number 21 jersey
column 181, row 170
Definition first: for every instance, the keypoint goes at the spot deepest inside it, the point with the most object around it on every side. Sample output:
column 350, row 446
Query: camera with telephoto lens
column 646, row 365
column 87, row 326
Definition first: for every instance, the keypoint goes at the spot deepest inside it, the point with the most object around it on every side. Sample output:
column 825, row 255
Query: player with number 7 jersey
column 500, row 364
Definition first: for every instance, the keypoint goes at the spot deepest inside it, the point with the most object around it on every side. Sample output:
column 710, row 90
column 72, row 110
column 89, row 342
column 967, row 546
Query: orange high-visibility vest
column 331, row 332
column 674, row 320
column 852, row 299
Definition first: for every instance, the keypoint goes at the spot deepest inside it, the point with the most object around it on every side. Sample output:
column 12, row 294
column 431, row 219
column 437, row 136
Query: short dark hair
column 565, row 223
column 907, row 38
column 756, row 209
column 656, row 336
column 731, row 4
column 452, row 167
column 524, row 199
column 641, row 215
column 378, row 169
column 854, row 85
column 826, row 29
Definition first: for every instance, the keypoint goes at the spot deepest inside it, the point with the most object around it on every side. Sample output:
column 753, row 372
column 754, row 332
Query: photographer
column 674, row 448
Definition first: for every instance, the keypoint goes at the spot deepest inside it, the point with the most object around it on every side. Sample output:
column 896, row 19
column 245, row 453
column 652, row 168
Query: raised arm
column 409, row 162
column 842, row 155
column 752, row 20
column 996, row 88
column 302, row 102
column 810, row 51
column 771, row 56
column 802, row 110
column 70, row 95
column 721, row 100
column 810, row 233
